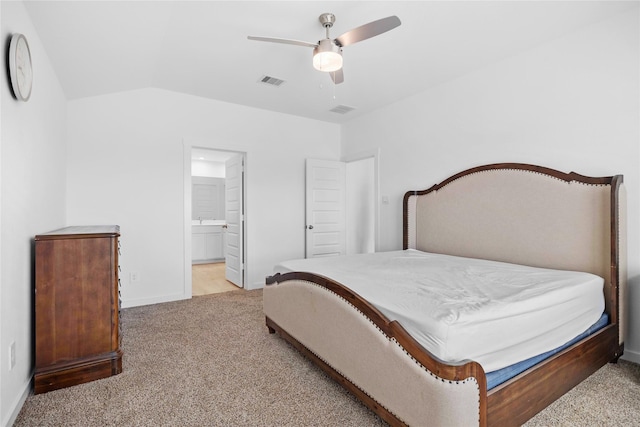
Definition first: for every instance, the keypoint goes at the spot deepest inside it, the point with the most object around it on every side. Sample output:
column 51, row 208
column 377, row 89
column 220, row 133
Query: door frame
column 186, row 159
column 375, row 154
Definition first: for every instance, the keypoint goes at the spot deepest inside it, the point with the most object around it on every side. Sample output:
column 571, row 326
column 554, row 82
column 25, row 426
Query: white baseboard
column 631, row 356
column 173, row 297
column 17, row 404
column 253, row 286
column 154, row 300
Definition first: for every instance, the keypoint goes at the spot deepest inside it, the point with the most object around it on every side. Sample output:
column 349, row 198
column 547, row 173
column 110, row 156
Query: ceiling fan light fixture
column 327, row 56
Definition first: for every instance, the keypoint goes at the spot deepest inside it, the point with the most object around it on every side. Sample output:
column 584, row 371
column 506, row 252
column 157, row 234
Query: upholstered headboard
column 529, row 215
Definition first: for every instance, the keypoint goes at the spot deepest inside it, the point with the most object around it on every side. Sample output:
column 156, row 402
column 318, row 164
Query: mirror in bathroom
column 207, row 198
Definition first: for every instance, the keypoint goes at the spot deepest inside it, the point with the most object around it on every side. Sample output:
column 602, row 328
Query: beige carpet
column 209, row 361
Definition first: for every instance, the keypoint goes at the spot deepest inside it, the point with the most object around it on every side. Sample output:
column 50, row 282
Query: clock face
column 20, row 67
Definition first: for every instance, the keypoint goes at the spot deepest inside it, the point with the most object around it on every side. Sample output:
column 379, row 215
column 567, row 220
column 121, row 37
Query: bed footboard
column 364, row 352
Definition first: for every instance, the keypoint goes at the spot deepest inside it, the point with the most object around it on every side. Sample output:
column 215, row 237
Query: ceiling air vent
column 342, row 109
column 271, row 81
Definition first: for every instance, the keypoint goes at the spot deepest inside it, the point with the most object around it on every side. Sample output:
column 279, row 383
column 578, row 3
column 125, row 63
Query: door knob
column 310, row 227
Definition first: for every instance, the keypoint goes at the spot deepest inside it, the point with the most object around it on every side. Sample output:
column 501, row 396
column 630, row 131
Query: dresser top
column 81, row 231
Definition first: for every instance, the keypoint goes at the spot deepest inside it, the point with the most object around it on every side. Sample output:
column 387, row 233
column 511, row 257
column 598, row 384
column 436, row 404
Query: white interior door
column 325, row 208
column 234, row 215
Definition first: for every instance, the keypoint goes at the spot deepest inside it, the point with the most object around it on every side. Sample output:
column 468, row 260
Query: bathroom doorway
column 217, row 220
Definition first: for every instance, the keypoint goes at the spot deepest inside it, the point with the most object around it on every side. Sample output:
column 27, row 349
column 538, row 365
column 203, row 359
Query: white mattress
column 460, row 309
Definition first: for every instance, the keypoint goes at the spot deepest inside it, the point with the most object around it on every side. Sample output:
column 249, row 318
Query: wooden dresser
column 76, row 306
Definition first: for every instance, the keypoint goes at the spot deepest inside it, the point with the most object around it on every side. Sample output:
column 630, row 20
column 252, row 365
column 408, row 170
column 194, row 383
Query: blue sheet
column 496, row 378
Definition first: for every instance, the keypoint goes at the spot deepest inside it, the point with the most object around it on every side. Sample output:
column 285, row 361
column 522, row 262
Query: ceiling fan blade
column 283, row 41
column 337, row 76
column 369, row 30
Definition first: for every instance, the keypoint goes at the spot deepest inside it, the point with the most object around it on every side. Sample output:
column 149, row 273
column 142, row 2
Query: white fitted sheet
column 459, row 309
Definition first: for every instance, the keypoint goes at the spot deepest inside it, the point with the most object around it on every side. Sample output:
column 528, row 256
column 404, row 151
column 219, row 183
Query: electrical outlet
column 12, row 355
column 134, row 277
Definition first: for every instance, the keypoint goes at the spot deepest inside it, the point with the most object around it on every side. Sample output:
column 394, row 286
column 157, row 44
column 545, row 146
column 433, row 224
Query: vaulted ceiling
column 201, row 47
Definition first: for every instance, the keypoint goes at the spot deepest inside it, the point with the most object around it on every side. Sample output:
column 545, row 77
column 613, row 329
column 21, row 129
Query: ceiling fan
column 327, row 53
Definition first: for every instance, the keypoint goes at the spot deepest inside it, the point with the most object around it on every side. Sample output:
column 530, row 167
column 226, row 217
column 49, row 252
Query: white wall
column 33, row 200
column 125, row 166
column 571, row 104
column 360, row 206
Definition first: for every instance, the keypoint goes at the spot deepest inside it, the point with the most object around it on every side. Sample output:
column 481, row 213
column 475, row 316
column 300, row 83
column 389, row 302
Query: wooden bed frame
column 508, row 212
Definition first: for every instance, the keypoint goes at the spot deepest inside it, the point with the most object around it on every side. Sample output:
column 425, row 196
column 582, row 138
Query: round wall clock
column 20, row 67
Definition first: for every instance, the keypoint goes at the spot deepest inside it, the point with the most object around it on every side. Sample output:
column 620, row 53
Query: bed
column 520, row 215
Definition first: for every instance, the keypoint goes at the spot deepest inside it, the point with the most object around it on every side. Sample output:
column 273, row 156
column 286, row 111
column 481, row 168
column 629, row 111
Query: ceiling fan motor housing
column 327, row 56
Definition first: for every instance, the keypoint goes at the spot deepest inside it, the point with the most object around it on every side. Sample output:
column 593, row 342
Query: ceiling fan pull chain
column 334, row 85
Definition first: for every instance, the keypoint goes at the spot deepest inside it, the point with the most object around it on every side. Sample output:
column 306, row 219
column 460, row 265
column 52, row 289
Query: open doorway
column 216, row 227
column 361, row 213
